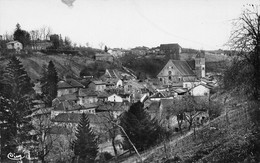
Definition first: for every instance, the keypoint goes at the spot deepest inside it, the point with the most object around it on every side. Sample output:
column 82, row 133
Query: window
column 169, row 72
column 170, row 78
column 203, row 68
column 160, row 79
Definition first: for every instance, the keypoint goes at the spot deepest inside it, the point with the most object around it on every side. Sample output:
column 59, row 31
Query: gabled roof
column 180, row 90
column 68, row 97
column 113, row 106
column 75, row 118
column 62, row 85
column 158, row 95
column 74, row 83
column 201, row 84
column 87, row 93
column 69, row 83
column 182, row 66
column 11, row 42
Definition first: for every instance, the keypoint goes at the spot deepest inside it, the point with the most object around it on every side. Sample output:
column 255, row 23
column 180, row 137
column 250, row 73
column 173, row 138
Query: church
column 178, row 71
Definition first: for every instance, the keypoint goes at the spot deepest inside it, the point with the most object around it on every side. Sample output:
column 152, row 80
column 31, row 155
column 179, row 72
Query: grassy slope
column 34, row 64
column 228, row 143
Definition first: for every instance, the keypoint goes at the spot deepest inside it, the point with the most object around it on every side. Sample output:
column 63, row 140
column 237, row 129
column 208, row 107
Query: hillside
column 229, row 138
column 65, row 64
column 150, row 66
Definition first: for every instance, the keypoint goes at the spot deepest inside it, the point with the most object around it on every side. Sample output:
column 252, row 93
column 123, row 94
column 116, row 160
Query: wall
column 115, row 98
column 66, row 91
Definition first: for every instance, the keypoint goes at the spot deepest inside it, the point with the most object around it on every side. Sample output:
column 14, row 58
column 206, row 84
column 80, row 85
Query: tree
column 42, row 123
column 85, row 146
column 49, row 81
column 105, row 49
column 15, row 97
column 67, row 42
column 22, row 36
column 244, row 74
column 112, row 129
column 55, row 39
column 140, row 128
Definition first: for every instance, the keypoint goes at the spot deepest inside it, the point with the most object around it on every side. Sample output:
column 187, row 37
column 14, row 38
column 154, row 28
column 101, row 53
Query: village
column 104, row 99
column 129, row 81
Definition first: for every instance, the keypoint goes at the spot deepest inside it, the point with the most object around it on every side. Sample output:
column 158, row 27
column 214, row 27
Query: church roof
column 182, row 66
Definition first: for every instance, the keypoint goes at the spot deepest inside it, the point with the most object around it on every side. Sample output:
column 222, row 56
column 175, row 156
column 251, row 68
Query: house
column 97, row 86
column 16, row 45
column 70, row 107
column 140, row 51
column 113, row 108
column 202, row 91
column 68, row 86
column 71, row 120
column 119, row 97
column 41, row 44
column 132, row 86
column 179, row 92
column 114, row 83
column 104, row 57
column 116, row 52
column 176, row 71
column 87, row 96
column 114, row 98
column 171, row 51
column 158, row 96
column 190, row 84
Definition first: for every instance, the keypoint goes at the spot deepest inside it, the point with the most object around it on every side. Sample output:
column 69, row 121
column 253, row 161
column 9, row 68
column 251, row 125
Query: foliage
column 143, row 131
column 214, row 110
column 149, row 66
column 105, row 49
column 16, row 81
column 55, row 39
column 15, row 100
column 189, row 108
column 97, row 69
column 104, row 157
column 245, row 40
column 42, row 127
column 49, row 84
column 22, row 36
column 67, row 42
column 85, row 146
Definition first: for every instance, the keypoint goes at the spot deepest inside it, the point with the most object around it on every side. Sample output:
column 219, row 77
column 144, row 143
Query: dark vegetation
column 150, row 67
column 85, row 145
column 143, row 131
column 16, row 102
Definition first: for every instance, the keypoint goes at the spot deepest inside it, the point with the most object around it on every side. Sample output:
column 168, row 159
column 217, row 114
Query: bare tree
column 245, row 39
column 111, row 128
column 43, row 125
column 101, row 45
column 45, row 32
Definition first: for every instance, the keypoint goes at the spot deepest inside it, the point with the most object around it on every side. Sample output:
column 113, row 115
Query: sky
column 198, row 24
